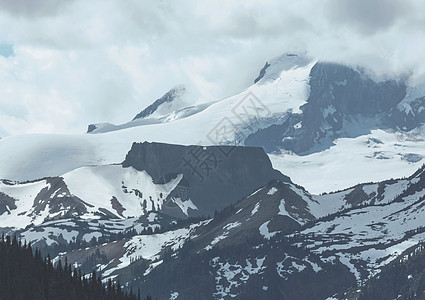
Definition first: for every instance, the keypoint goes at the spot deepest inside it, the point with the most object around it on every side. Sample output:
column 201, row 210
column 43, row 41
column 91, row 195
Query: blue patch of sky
column 6, row 50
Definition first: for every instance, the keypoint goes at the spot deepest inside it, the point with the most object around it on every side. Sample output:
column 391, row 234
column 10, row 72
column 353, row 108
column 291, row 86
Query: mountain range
column 283, row 191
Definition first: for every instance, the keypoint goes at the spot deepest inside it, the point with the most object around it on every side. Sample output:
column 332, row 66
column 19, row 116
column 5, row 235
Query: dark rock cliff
column 214, row 177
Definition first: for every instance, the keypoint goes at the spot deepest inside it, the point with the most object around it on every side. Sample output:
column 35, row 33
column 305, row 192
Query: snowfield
column 353, row 160
column 96, row 185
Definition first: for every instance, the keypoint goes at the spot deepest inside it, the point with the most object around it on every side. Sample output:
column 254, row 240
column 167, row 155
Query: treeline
column 403, row 279
column 25, row 274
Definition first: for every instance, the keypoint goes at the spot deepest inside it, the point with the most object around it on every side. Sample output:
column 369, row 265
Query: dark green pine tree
column 24, row 274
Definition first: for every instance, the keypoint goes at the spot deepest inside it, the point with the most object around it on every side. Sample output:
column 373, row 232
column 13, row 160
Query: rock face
column 58, row 200
column 262, row 72
column 409, row 115
column 213, row 177
column 6, row 203
column 91, row 128
column 339, row 96
column 352, row 92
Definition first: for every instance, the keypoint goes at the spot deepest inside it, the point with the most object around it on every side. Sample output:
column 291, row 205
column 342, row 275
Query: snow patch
column 185, row 205
column 257, row 206
column 264, row 231
column 230, row 276
column 272, row 191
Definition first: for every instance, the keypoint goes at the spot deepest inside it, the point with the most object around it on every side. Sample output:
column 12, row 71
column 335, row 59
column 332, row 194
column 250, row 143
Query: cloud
column 367, row 16
column 33, row 9
column 79, row 62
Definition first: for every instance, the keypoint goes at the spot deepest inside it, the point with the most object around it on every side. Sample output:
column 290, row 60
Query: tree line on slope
column 402, row 279
column 25, row 274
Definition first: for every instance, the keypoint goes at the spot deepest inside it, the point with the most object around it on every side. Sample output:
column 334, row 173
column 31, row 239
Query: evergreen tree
column 24, row 274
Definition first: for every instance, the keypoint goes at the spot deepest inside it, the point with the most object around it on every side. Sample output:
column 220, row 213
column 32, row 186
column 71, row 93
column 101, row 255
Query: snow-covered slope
column 87, row 193
column 124, row 191
column 309, row 128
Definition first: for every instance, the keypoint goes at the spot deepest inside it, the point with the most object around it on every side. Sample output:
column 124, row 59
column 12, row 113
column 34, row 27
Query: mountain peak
column 273, row 68
column 164, row 105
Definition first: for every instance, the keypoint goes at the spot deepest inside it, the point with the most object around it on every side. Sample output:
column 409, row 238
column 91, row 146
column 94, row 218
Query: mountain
column 164, row 105
column 280, row 242
column 305, row 113
column 200, row 190
column 157, row 112
column 235, row 254
column 156, row 184
column 173, row 105
column 340, row 98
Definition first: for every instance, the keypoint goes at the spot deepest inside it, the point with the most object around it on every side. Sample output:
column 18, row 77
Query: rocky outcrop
column 262, row 72
column 6, row 203
column 214, row 177
column 91, row 128
column 58, row 200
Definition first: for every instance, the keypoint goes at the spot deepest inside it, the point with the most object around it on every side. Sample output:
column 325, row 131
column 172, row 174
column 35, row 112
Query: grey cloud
column 367, row 16
column 251, row 26
column 33, row 9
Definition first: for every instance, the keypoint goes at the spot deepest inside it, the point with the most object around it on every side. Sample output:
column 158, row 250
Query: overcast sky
column 65, row 64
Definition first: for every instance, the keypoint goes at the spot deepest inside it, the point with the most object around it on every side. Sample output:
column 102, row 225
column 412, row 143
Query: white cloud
column 79, row 62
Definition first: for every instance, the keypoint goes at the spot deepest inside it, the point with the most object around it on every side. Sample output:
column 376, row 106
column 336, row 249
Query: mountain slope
column 228, row 256
column 280, row 242
column 402, row 279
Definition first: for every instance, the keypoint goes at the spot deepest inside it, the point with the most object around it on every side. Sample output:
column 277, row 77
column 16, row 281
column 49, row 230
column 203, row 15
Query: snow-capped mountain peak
column 171, row 101
column 285, row 62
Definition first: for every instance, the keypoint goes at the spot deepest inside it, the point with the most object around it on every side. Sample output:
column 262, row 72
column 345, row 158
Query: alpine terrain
column 308, row 184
